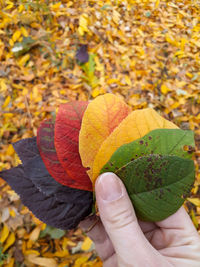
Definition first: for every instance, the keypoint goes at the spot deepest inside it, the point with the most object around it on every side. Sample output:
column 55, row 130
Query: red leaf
column 67, row 127
column 45, row 142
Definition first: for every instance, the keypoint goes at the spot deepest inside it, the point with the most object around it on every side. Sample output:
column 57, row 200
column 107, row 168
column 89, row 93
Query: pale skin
column 124, row 241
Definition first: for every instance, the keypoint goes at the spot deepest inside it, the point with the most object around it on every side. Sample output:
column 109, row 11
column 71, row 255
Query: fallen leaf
column 87, row 243
column 9, row 242
column 4, row 233
column 41, row 261
column 82, row 54
column 195, row 201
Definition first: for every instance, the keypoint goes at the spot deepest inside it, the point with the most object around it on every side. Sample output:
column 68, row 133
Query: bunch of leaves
column 156, row 169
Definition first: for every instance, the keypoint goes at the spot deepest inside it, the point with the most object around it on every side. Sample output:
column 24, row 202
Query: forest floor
column 145, row 51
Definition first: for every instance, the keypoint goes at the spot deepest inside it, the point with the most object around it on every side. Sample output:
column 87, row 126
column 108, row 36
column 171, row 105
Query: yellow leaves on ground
column 100, row 119
column 134, row 126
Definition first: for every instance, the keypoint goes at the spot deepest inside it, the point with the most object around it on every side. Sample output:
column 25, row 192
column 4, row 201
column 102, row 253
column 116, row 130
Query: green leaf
column 161, row 141
column 156, row 184
column 23, row 47
column 53, row 232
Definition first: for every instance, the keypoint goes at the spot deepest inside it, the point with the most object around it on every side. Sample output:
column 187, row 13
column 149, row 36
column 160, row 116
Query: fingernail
column 109, row 187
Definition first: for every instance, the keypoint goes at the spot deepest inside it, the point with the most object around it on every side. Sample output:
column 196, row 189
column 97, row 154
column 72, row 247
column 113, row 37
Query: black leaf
column 63, row 215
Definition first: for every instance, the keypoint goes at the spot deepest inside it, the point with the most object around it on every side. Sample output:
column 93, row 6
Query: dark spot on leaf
column 141, row 142
column 150, row 138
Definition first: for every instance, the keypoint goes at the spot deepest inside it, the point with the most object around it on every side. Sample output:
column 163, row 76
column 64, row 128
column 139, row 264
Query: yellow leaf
column 10, row 150
column 6, row 102
column 135, row 125
column 86, row 244
column 100, row 118
column 16, row 35
column 80, row 261
column 56, row 6
column 170, row 39
column 11, row 263
column 31, row 251
column 157, row 3
column 194, row 219
column 46, row 262
column 83, row 24
column 3, row 86
column 9, row 241
column 24, row 32
column 12, row 213
column 24, row 60
column 128, row 80
column 195, row 201
column 164, row 89
column 61, row 254
column 188, row 74
column 4, row 233
column 97, row 91
column 116, row 17
column 35, row 233
column 21, row 8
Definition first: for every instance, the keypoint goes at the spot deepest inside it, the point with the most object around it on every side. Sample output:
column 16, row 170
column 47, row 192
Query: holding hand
column 121, row 240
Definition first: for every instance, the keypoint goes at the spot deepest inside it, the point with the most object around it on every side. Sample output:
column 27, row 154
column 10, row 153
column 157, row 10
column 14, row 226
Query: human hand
column 121, row 240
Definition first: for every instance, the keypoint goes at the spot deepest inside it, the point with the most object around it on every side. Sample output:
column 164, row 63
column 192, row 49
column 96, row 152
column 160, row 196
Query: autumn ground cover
column 146, row 52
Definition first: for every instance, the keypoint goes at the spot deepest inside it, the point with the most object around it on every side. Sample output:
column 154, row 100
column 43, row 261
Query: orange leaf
column 101, row 117
column 135, row 125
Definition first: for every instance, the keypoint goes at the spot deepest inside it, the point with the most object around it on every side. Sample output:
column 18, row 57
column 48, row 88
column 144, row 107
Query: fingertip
column 108, row 187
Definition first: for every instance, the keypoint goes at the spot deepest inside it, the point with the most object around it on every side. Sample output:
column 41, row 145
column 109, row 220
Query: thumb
column 120, row 222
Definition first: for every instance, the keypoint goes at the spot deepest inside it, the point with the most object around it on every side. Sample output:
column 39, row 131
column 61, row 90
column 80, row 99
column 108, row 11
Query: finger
column 179, row 220
column 119, row 219
column 99, row 236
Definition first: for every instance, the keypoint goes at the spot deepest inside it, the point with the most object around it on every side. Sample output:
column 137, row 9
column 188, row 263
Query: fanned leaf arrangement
column 151, row 155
